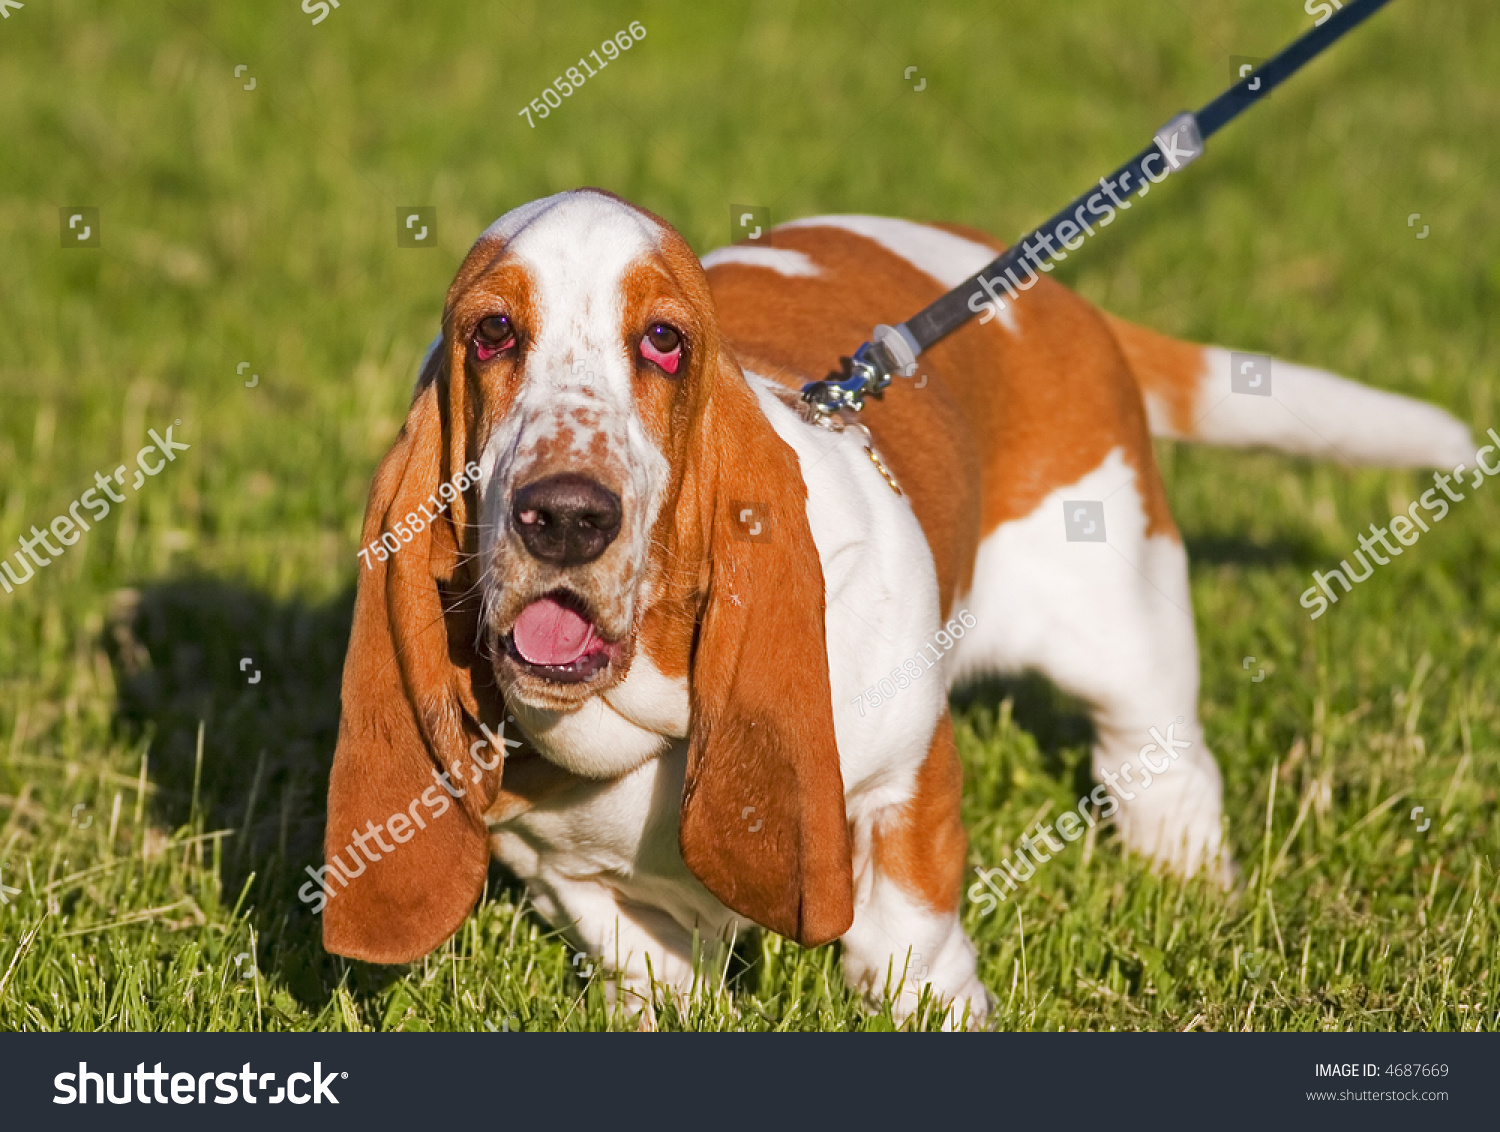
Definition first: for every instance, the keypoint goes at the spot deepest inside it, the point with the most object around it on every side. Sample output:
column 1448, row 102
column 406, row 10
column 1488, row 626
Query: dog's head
column 632, row 502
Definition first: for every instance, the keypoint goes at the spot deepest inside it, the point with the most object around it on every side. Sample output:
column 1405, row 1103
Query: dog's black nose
column 567, row 519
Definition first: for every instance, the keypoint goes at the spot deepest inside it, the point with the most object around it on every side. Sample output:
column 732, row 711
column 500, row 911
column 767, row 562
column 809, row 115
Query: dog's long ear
column 763, row 823
column 409, row 708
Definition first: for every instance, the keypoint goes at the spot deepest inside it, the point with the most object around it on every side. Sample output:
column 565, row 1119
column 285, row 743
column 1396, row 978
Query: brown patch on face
column 587, row 418
column 563, row 452
column 923, row 849
column 673, row 290
column 486, row 284
column 1002, row 421
column 655, row 292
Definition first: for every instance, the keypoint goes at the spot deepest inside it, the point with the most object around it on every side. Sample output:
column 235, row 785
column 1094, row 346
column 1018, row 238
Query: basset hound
column 632, row 656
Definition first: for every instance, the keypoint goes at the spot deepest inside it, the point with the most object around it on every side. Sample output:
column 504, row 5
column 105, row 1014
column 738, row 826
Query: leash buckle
column 891, row 351
column 1180, row 141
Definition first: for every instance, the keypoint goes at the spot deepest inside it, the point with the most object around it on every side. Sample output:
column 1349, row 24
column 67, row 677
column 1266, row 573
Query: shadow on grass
column 262, row 678
column 1222, row 550
column 1058, row 722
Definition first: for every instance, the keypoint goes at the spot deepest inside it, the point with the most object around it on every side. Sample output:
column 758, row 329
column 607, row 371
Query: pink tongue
column 548, row 632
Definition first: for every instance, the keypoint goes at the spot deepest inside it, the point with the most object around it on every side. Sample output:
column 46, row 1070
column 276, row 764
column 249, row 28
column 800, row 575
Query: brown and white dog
column 675, row 590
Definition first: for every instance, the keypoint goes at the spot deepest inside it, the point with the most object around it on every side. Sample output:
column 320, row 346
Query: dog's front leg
column 907, row 937
column 640, row 954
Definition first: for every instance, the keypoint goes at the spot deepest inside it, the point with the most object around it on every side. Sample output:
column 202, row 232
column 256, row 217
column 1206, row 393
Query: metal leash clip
column 890, row 352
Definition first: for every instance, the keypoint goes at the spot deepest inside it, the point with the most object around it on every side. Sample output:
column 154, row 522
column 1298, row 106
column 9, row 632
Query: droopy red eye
column 662, row 345
column 492, row 335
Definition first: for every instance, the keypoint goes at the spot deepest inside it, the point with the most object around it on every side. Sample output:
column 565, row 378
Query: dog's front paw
column 942, row 982
column 963, row 1008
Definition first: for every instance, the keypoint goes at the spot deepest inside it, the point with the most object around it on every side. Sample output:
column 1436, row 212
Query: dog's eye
column 662, row 346
column 493, row 335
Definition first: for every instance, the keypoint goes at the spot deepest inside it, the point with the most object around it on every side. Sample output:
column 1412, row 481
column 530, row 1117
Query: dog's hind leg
column 1092, row 592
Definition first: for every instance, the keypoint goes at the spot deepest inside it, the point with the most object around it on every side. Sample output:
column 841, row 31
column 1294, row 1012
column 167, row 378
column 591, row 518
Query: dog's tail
column 1215, row 396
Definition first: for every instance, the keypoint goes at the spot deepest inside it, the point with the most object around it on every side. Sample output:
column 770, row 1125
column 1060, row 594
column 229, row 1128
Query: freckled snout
column 567, row 519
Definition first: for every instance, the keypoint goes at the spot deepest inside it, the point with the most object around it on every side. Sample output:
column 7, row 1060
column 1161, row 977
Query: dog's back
column 1024, row 446
column 998, row 416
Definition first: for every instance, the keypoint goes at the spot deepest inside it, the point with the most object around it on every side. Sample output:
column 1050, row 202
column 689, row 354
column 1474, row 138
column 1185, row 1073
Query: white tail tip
column 1248, row 399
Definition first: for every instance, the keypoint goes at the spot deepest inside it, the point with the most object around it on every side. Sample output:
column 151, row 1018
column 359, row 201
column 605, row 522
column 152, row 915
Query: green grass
column 259, row 226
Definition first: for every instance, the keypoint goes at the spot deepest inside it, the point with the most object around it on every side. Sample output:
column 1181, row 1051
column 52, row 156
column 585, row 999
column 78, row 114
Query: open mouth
column 554, row 639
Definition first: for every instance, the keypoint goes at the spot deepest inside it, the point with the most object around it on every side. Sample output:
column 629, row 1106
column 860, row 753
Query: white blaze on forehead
column 565, row 227
column 578, row 372
column 577, row 248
